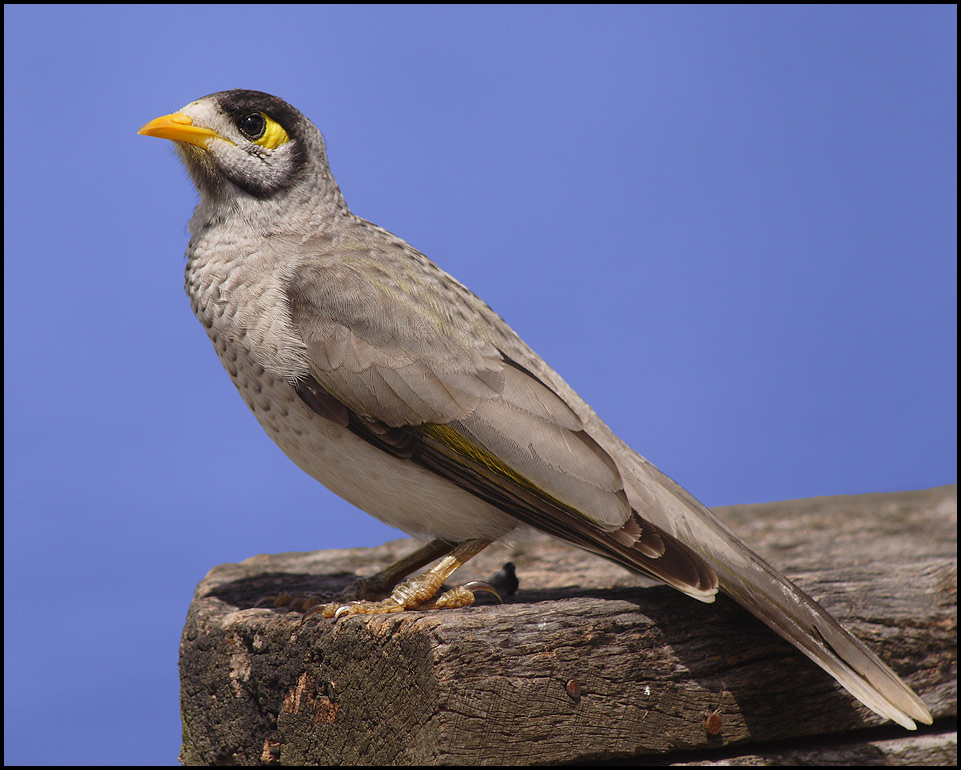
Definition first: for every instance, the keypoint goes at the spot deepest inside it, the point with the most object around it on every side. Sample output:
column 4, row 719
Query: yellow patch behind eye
column 274, row 134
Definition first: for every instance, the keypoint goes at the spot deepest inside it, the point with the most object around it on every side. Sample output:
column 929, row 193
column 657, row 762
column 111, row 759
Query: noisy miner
column 401, row 391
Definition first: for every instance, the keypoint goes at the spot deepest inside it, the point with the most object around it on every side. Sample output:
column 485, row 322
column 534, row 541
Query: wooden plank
column 583, row 664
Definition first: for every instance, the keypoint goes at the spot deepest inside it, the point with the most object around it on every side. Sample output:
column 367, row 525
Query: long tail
column 798, row 618
column 768, row 595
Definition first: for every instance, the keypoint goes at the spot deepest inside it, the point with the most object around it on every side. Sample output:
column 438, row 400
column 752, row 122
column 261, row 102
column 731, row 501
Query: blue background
column 731, row 229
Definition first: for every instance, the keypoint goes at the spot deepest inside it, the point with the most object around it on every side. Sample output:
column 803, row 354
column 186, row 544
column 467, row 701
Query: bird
column 396, row 387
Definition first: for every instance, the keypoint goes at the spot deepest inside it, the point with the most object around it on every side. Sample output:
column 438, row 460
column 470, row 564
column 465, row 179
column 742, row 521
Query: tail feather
column 774, row 600
column 798, row 618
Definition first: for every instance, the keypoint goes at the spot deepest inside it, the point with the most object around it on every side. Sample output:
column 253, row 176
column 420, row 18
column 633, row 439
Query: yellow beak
column 179, row 128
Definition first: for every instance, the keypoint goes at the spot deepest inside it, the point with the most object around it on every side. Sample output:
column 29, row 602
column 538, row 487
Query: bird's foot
column 414, row 593
column 373, row 588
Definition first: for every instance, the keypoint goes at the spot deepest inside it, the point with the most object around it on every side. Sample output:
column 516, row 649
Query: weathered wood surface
column 584, row 664
column 928, row 750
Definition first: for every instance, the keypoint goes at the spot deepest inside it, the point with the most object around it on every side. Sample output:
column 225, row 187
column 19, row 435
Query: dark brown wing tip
column 645, row 548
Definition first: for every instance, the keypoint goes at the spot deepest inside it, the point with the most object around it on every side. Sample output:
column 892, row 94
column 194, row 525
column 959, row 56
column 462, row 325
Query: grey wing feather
column 378, row 348
column 365, row 349
column 371, row 347
column 537, row 434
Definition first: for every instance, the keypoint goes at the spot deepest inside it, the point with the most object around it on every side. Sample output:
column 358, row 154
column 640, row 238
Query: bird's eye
column 262, row 130
column 252, row 126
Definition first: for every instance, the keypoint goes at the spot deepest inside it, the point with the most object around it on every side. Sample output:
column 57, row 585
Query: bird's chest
column 242, row 304
column 245, row 319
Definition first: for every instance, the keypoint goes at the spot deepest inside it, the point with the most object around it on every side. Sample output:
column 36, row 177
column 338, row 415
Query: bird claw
column 455, row 598
column 379, row 595
column 480, row 585
column 366, row 596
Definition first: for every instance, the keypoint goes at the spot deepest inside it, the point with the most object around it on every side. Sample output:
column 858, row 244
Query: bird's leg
column 417, row 592
column 378, row 586
column 374, row 587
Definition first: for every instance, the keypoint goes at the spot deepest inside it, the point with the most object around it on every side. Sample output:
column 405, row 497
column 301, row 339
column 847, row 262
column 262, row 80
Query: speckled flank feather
column 390, row 383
